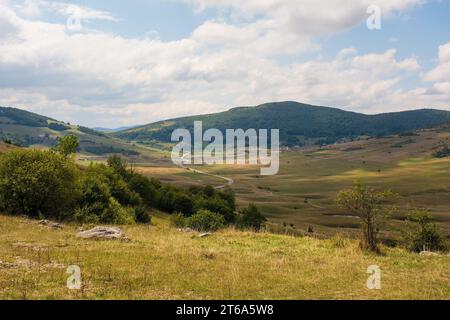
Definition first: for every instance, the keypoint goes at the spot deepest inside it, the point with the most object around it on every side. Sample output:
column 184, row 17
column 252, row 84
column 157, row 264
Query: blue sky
column 141, row 61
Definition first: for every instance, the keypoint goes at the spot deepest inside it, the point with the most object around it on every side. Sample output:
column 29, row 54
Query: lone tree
column 67, row 145
column 366, row 203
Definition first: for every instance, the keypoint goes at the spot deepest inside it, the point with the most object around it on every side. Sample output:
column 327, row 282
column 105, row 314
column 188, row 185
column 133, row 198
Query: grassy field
column 162, row 263
column 304, row 191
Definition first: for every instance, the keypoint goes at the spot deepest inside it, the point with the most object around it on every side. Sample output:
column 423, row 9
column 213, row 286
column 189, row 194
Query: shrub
column 118, row 165
column 117, row 214
column 251, row 218
column 182, row 202
column 119, row 188
column 205, row 220
column 98, row 205
column 443, row 152
column 366, row 203
column 145, row 188
column 38, row 183
column 209, row 191
column 425, row 236
column 141, row 215
column 178, row 220
column 220, row 206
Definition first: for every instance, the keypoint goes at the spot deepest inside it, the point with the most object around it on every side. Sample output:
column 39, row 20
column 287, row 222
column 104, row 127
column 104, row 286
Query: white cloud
column 308, row 16
column 99, row 79
column 35, row 8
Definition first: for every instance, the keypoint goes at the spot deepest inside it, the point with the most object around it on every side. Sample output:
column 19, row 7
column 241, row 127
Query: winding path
column 229, row 181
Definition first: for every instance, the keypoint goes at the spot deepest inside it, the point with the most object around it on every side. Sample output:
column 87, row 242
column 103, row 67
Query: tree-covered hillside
column 26, row 129
column 298, row 123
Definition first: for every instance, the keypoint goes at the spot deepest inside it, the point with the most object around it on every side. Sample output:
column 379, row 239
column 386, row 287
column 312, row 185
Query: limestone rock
column 428, row 254
column 107, row 233
column 50, row 224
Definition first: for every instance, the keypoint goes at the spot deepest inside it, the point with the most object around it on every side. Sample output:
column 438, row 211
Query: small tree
column 67, row 145
column 366, row 203
column 425, row 236
column 118, row 165
column 251, row 218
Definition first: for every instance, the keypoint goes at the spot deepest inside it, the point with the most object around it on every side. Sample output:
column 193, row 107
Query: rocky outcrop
column 105, row 233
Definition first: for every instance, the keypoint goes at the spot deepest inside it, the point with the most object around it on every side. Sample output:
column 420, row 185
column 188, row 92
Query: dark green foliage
column 119, row 187
column 58, row 126
column 209, row 191
column 424, row 235
column 90, row 131
column 67, row 145
column 48, row 183
column 142, row 215
column 119, row 166
column 145, row 187
column 182, row 202
column 443, row 152
column 37, row 183
column 297, row 120
column 22, row 117
column 251, row 218
column 220, row 206
column 205, row 220
column 100, row 149
column 98, row 202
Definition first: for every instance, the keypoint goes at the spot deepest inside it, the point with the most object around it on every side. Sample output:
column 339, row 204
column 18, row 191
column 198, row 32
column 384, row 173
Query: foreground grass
column 162, row 263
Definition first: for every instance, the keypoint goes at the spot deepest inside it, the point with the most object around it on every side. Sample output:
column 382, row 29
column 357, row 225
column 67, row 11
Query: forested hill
column 298, row 123
column 23, row 128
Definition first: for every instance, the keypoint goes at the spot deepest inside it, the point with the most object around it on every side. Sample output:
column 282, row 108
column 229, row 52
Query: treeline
column 48, row 184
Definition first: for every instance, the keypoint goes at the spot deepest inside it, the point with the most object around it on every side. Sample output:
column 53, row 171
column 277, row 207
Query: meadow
column 303, row 193
column 162, row 263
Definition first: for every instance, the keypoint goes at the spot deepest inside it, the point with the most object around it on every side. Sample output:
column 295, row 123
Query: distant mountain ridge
column 299, row 123
column 110, row 130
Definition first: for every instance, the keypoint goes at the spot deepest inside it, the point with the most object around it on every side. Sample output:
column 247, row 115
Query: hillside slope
column 298, row 123
column 29, row 129
column 163, row 263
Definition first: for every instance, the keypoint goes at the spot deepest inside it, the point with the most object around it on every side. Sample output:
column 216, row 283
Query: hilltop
column 299, row 124
column 26, row 129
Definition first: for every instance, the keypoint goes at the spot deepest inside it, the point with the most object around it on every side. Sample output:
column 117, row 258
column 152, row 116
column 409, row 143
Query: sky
column 112, row 63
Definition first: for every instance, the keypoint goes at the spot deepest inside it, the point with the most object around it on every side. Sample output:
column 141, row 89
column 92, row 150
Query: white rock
column 428, row 254
column 206, row 234
column 108, row 233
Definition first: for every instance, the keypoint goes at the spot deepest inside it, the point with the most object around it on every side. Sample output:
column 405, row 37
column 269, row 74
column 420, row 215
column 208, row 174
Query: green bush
column 141, row 215
column 97, row 205
column 117, row 214
column 38, row 183
column 251, row 218
column 424, row 236
column 205, row 220
column 178, row 220
column 145, row 188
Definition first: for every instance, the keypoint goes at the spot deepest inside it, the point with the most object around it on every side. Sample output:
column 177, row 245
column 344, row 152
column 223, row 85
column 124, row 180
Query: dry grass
column 162, row 263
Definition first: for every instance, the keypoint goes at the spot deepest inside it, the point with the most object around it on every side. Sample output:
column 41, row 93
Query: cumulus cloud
column 100, row 79
column 308, row 16
column 35, row 8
